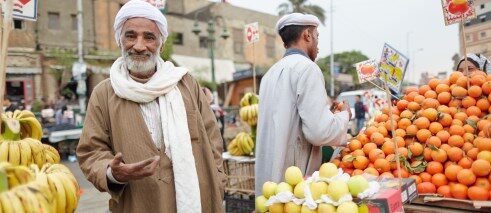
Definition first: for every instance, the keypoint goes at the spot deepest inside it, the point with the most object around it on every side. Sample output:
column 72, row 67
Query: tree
column 301, row 6
column 346, row 61
column 166, row 53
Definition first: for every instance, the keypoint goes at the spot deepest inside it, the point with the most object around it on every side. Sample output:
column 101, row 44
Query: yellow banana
column 16, row 203
column 25, row 130
column 9, row 114
column 59, row 191
column 25, row 153
column 16, row 113
column 7, row 205
column 24, row 114
column 23, row 174
column 37, row 151
column 25, row 200
column 30, row 197
column 44, row 202
column 53, row 152
column 4, row 151
column 12, row 180
column 36, row 129
column 70, row 192
column 14, row 153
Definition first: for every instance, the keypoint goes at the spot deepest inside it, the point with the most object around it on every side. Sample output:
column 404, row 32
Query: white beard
column 140, row 67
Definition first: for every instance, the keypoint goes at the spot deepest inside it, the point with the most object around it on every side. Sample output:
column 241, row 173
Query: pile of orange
column 443, row 135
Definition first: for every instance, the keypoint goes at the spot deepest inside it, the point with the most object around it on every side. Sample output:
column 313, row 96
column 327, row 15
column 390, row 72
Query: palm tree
column 301, row 6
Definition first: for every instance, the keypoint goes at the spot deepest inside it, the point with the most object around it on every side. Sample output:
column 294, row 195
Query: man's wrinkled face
column 140, row 45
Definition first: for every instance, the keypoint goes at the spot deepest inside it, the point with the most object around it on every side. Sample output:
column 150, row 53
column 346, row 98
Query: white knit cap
column 297, row 19
column 139, row 9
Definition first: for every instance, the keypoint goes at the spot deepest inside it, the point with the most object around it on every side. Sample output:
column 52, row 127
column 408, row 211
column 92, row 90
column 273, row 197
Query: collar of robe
column 291, row 51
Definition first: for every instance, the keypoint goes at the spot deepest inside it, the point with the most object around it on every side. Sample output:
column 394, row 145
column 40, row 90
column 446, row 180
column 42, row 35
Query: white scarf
column 163, row 85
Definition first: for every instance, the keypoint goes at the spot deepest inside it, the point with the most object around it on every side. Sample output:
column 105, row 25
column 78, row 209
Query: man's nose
column 139, row 45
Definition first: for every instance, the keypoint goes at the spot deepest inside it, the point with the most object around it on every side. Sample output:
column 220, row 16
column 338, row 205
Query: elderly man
column 294, row 119
column 150, row 138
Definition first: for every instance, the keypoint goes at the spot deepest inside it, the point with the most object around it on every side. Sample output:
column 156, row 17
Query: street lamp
column 211, row 43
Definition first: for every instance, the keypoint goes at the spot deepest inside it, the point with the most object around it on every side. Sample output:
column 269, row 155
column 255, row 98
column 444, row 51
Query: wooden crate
column 240, row 172
column 447, row 205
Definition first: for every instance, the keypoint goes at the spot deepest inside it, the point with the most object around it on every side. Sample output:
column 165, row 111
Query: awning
column 201, row 67
column 24, row 70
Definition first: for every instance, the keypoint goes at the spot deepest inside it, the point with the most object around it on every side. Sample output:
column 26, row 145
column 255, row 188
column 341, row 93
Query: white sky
column 365, row 25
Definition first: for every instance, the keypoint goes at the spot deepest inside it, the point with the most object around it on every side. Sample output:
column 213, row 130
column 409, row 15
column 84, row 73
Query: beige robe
column 115, row 125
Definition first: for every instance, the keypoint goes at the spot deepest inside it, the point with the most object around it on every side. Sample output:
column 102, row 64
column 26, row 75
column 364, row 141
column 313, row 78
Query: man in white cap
column 294, row 119
column 150, row 138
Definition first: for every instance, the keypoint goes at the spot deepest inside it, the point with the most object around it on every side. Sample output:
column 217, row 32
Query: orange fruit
column 358, row 152
column 475, row 91
column 376, row 154
column 425, row 176
column 347, row 161
column 456, row 130
column 482, row 124
column 468, row 102
column 402, row 151
column 483, row 183
column 439, row 179
column 388, row 147
column 419, row 99
column 454, row 76
column 439, row 155
column 445, row 120
column 445, row 147
column 377, row 138
column 423, row 135
column 443, row 135
column 468, row 129
column 423, row 89
column 382, row 165
column 483, row 144
column 458, row 191
column 387, row 175
column 371, row 171
column 411, row 130
column 404, row 173
column 413, row 106
column 453, row 110
column 434, row 167
column 400, row 132
column 410, row 89
column 354, row 145
column 422, row 123
column 435, row 127
column 466, row 177
column 404, row 123
column 472, row 153
column 336, row 162
column 406, row 114
column 461, row 116
column 369, row 147
column 457, row 103
column 478, row 80
column 467, row 145
column 444, row 97
column 462, row 81
column 486, row 88
column 431, row 114
column 442, row 88
column 370, row 130
column 362, row 138
column 360, row 162
column 481, row 168
column 443, row 109
column 452, row 171
column 381, row 118
column 431, row 94
column 426, row 188
column 444, row 191
column 459, row 92
column 430, row 103
column 433, row 83
column 457, row 122
column 465, row 162
column 435, row 141
column 455, row 154
column 483, row 105
column 416, row 178
column 402, row 104
column 473, row 110
column 357, row 172
column 410, row 96
column 477, row 193
column 416, row 149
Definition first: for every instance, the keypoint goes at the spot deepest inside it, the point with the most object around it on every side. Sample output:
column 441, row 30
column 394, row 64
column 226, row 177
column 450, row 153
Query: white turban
column 297, row 19
column 139, row 9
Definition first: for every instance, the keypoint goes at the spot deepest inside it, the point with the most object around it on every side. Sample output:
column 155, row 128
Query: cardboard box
column 409, row 191
column 387, row 200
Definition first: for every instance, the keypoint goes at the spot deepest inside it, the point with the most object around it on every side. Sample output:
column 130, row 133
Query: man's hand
column 126, row 172
column 344, row 106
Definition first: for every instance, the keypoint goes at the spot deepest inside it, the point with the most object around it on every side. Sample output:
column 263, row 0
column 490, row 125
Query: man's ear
column 306, row 35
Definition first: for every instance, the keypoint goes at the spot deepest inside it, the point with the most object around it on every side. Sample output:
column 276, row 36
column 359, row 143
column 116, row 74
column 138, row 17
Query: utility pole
column 79, row 68
column 332, row 52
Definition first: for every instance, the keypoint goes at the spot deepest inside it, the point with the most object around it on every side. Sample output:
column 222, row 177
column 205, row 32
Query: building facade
column 478, row 31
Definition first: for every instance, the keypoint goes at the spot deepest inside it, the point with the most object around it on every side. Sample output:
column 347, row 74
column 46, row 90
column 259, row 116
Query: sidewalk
column 91, row 200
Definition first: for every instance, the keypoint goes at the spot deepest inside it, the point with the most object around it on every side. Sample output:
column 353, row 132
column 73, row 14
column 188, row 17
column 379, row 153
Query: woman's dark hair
column 291, row 34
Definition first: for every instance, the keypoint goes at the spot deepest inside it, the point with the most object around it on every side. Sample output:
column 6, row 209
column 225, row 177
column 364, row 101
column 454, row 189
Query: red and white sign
column 25, row 9
column 456, row 10
column 252, row 32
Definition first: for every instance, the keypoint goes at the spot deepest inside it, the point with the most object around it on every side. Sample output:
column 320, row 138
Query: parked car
column 373, row 99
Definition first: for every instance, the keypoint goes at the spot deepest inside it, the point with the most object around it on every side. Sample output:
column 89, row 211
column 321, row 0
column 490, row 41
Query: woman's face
column 469, row 66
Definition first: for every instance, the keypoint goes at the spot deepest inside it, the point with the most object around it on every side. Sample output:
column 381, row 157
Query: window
column 270, row 46
column 483, row 34
column 178, row 39
column 238, row 41
column 74, row 22
column 203, row 42
column 482, row 6
column 53, row 20
column 18, row 24
column 482, row 18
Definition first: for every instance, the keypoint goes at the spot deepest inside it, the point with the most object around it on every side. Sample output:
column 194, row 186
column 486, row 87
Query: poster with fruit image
column 456, row 10
column 367, row 70
column 24, row 9
column 392, row 67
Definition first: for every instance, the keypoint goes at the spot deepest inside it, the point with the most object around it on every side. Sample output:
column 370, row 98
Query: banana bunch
column 249, row 114
column 27, row 151
column 16, row 175
column 32, row 197
column 62, row 185
column 249, row 99
column 242, row 144
column 29, row 125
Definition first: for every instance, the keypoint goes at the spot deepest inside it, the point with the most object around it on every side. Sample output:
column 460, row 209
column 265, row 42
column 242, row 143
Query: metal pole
column 80, row 31
column 81, row 86
column 211, row 47
column 332, row 52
